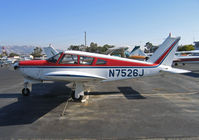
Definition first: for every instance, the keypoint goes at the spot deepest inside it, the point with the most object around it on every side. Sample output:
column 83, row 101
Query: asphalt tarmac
column 165, row 106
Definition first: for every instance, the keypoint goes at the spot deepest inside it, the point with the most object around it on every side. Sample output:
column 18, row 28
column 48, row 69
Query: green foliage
column 1, row 56
column 92, row 48
column 148, row 46
column 37, row 52
column 106, row 47
column 13, row 54
column 74, row 47
column 98, row 49
column 186, row 48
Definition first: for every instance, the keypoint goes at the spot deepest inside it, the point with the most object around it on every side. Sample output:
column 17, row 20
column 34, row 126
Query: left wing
column 72, row 76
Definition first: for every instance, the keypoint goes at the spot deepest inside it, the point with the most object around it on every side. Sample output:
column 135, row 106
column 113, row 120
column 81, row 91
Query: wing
column 72, row 76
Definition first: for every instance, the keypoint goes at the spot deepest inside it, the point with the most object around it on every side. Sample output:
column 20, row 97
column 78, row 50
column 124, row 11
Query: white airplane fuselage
column 45, row 70
column 109, row 74
column 187, row 59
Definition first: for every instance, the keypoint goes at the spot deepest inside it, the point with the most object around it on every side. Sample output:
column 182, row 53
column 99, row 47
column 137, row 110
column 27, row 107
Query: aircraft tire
column 76, row 99
column 25, row 92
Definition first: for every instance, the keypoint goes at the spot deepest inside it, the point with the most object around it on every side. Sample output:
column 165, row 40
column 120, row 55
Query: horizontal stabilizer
column 173, row 70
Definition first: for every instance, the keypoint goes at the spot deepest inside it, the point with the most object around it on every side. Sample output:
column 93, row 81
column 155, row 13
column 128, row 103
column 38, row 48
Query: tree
column 148, row 46
column 93, row 47
column 98, row 49
column 74, row 47
column 186, row 48
column 13, row 54
column 37, row 52
column 106, row 47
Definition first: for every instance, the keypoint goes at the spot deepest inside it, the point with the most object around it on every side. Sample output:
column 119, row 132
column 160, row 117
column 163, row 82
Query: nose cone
column 16, row 65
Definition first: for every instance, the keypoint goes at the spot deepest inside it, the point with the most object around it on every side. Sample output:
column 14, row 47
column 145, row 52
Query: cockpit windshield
column 55, row 58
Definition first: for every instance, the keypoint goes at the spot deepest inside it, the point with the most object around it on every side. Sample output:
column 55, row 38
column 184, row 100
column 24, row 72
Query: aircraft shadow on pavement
column 128, row 92
column 192, row 74
column 43, row 99
column 9, row 95
column 28, row 109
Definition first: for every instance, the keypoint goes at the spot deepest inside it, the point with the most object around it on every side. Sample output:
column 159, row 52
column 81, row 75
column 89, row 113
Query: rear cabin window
column 69, row 59
column 86, row 60
column 100, row 62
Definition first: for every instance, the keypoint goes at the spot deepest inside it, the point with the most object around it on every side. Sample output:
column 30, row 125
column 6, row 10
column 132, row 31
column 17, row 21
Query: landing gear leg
column 26, row 90
column 78, row 93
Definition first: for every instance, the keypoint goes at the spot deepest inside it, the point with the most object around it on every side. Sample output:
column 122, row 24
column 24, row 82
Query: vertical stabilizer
column 164, row 55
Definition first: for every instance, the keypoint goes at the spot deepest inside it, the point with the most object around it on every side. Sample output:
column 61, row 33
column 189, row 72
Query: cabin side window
column 69, row 59
column 54, row 58
column 100, row 62
column 86, row 60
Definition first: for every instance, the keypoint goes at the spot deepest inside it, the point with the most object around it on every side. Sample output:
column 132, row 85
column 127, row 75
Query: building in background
column 196, row 45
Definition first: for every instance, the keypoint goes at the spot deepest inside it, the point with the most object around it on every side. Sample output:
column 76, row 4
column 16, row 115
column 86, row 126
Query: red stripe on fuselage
column 33, row 62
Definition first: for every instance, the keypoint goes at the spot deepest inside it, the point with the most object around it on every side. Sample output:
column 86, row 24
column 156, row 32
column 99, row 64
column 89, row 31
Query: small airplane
column 7, row 61
column 50, row 51
column 118, row 51
column 82, row 67
column 138, row 54
column 186, row 57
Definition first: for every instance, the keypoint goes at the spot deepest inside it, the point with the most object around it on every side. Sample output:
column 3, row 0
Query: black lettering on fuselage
column 126, row 73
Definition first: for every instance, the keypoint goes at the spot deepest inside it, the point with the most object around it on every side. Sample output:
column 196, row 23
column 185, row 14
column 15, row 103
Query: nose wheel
column 25, row 91
column 78, row 93
column 78, row 99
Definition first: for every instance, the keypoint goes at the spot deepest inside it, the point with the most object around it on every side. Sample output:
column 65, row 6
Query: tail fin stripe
column 165, row 54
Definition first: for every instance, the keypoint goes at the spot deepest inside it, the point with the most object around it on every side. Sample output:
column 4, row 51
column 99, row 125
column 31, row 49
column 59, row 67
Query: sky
column 117, row 22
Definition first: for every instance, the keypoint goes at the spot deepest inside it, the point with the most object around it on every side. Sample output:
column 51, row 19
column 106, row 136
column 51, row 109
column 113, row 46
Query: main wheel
column 25, row 92
column 76, row 99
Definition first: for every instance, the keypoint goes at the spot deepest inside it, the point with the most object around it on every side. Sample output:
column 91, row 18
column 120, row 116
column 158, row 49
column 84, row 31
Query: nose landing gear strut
column 78, row 93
